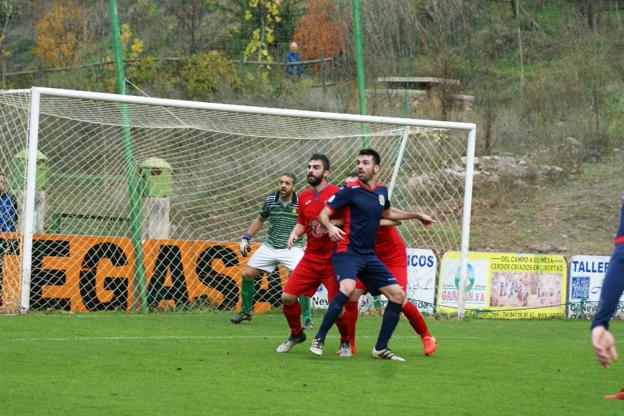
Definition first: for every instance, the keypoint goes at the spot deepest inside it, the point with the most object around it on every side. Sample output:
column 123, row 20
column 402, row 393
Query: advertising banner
column 422, row 269
column 319, row 300
column 586, row 276
column 84, row 273
column 505, row 285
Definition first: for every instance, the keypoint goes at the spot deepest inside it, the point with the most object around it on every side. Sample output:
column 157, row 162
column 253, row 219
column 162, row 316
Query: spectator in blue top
column 8, row 207
column 294, row 56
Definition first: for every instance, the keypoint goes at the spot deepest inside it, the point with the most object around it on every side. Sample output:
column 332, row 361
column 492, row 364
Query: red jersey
column 390, row 247
column 319, row 246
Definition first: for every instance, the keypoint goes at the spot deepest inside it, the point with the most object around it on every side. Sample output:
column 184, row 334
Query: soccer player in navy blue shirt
column 363, row 204
column 612, row 288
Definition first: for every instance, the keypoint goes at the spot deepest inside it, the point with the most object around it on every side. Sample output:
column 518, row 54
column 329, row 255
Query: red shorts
column 399, row 273
column 307, row 277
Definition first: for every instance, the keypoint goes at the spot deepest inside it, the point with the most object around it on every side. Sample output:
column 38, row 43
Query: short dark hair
column 373, row 153
column 322, row 158
column 352, row 174
column 291, row 176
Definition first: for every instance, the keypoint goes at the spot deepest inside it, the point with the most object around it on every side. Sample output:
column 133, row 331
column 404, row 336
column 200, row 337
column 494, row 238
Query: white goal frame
column 33, row 133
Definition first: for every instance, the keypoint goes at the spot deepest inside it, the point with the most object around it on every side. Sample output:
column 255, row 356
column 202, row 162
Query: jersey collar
column 359, row 183
column 316, row 194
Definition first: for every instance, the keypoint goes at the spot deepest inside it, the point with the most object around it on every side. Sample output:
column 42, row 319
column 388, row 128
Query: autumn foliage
column 320, row 28
column 62, row 34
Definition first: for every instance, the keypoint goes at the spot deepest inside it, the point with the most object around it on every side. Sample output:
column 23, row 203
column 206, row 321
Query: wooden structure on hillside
column 441, row 92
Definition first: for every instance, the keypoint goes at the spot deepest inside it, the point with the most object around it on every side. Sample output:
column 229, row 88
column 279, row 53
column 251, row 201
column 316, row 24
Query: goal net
column 139, row 203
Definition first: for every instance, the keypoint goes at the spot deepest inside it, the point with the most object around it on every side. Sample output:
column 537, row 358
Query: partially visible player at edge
column 315, row 266
column 364, row 203
column 612, row 288
column 280, row 208
column 392, row 251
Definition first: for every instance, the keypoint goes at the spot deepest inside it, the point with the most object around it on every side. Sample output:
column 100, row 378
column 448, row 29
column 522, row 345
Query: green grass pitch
column 198, row 363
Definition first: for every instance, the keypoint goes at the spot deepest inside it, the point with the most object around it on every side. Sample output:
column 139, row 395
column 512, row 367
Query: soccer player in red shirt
column 391, row 250
column 315, row 267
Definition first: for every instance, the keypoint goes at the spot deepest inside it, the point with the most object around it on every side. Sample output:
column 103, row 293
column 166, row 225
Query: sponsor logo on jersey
column 382, row 200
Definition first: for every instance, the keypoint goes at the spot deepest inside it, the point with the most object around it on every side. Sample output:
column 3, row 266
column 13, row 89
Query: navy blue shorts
column 368, row 268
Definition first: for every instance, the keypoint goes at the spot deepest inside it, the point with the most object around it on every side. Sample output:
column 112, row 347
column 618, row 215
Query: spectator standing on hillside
column 292, row 58
column 8, row 207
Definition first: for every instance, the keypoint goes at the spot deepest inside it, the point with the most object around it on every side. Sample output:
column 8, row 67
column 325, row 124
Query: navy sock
column 333, row 312
column 390, row 321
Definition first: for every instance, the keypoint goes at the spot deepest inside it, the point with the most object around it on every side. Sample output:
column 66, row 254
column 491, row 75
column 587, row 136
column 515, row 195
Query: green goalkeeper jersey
column 282, row 218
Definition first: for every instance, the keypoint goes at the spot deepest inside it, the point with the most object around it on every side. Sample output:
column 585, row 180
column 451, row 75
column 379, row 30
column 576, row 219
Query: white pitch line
column 173, row 338
column 232, row 337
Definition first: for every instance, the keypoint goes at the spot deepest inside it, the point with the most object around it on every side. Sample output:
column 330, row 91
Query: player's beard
column 285, row 195
column 314, row 180
column 365, row 177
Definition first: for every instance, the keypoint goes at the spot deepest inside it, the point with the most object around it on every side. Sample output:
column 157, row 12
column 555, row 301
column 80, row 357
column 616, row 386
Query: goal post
column 203, row 170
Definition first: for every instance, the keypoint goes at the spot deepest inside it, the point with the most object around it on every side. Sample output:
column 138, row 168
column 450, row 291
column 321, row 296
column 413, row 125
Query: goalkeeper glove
column 245, row 246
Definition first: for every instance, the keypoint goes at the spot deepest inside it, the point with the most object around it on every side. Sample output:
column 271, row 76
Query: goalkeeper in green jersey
column 280, row 208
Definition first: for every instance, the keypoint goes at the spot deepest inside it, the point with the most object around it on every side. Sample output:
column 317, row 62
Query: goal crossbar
column 232, row 108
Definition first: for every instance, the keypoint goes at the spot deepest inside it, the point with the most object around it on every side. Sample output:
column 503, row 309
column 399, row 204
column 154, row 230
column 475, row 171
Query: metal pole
column 397, row 164
column 29, row 204
column 357, row 31
column 465, row 237
column 140, row 297
column 322, row 71
column 241, row 73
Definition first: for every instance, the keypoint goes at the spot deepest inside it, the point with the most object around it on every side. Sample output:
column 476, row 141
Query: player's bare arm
column 389, row 223
column 334, row 233
column 393, row 213
column 295, row 234
column 256, row 225
column 384, row 222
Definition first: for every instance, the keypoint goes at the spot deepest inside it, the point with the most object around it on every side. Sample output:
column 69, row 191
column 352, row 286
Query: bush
column 206, row 75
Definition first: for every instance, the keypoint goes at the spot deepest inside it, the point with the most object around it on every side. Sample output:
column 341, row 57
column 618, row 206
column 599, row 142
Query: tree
column 239, row 19
column 8, row 11
column 265, row 13
column 189, row 15
column 63, row 34
column 320, row 29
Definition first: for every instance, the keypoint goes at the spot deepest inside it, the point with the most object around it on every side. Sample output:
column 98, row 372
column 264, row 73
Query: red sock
column 344, row 325
column 293, row 316
column 415, row 319
column 352, row 307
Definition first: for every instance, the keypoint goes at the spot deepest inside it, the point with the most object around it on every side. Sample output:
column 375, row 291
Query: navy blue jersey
column 362, row 209
column 619, row 235
column 613, row 283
